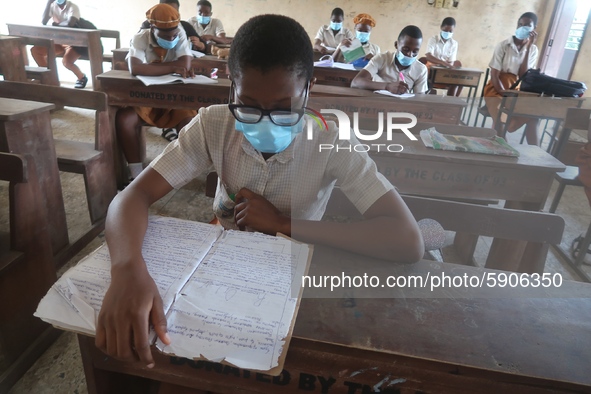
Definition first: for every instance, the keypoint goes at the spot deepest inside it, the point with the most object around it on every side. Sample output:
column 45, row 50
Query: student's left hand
column 368, row 56
column 533, row 35
column 197, row 44
column 255, row 211
column 346, row 42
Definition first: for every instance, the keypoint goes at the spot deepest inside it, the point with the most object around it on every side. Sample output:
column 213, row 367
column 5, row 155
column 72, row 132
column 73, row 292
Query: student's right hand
column 346, row 42
column 323, row 50
column 184, row 72
column 131, row 303
column 397, row 87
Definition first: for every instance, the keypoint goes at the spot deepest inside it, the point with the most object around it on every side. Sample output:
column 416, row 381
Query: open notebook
column 461, row 143
column 227, row 295
column 175, row 78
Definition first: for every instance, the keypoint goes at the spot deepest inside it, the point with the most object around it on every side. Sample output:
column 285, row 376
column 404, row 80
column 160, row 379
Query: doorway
column 567, row 29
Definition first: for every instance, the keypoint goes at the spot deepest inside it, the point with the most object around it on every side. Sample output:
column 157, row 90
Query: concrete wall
column 481, row 23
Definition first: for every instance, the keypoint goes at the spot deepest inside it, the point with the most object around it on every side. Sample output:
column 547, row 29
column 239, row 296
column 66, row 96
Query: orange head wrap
column 364, row 19
column 163, row 16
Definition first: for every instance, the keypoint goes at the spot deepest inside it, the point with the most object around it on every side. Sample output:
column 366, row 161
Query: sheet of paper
column 197, row 53
column 344, row 66
column 171, row 259
column 174, row 78
column 238, row 305
column 387, row 93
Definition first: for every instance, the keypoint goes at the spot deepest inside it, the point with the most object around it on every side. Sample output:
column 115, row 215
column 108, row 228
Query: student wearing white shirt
column 330, row 36
column 442, row 50
column 210, row 29
column 398, row 72
column 511, row 59
column 364, row 23
column 67, row 14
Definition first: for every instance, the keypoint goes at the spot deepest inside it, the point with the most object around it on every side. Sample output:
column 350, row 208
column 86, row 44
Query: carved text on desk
column 414, row 173
column 177, row 97
column 291, row 381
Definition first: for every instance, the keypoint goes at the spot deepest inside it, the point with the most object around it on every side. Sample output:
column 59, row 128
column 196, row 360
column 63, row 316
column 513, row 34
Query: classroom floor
column 59, row 370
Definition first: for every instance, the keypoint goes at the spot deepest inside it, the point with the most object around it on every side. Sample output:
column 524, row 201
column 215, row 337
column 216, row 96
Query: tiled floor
column 59, row 370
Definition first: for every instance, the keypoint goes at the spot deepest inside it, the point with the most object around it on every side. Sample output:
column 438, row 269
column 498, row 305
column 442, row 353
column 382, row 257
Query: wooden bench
column 26, row 271
column 12, row 61
column 93, row 160
column 68, row 36
column 45, row 75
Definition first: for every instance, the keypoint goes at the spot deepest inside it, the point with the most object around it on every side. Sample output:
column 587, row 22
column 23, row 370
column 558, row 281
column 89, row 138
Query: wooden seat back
column 565, row 149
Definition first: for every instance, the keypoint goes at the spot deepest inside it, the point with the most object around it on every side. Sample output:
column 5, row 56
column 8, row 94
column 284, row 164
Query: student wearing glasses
column 162, row 49
column 264, row 156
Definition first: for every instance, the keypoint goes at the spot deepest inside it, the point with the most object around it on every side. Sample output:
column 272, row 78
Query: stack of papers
column 461, row 143
column 388, row 93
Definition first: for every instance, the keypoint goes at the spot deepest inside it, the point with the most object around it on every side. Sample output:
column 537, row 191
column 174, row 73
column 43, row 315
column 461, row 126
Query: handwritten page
column 175, row 249
column 388, row 93
column 175, row 78
column 238, row 305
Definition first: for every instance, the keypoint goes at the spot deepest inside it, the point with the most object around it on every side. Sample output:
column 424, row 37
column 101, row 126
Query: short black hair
column 266, row 42
column 338, row 12
column 170, row 2
column 531, row 16
column 204, row 3
column 449, row 21
column 410, row 31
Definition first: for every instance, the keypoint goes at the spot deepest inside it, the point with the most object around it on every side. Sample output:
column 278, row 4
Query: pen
column 401, row 76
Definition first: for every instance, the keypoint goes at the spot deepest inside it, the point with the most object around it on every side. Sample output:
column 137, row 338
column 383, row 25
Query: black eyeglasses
column 252, row 115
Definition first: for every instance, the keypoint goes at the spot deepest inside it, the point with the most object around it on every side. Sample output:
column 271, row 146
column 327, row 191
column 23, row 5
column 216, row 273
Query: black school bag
column 537, row 82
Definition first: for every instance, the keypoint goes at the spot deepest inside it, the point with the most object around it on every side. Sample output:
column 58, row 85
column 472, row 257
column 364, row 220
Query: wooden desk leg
column 118, row 159
column 95, row 55
column 12, row 62
column 518, row 256
column 32, row 135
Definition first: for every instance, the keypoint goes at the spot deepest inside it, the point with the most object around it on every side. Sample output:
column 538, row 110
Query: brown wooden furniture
column 93, row 160
column 521, row 104
column 12, row 61
column 113, row 34
column 45, row 75
column 26, row 270
column 495, row 340
column 68, row 36
column 463, row 76
column 566, row 151
column 334, row 76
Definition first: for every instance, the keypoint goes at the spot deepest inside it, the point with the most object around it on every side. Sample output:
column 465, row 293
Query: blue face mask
column 267, row 137
column 60, row 2
column 523, row 32
column 446, row 35
column 336, row 26
column 203, row 20
column 404, row 61
column 362, row 36
column 162, row 43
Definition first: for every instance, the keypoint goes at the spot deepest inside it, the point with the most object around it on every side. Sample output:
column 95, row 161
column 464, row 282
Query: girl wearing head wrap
column 363, row 26
column 162, row 49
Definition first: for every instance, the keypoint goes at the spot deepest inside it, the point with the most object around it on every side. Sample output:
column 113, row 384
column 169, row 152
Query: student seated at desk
column 162, row 49
column 197, row 43
column 260, row 150
column 363, row 25
column 397, row 72
column 208, row 28
column 67, row 14
column 511, row 59
column 442, row 50
column 330, row 36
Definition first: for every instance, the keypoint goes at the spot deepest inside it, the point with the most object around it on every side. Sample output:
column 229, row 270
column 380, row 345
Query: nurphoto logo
column 392, row 120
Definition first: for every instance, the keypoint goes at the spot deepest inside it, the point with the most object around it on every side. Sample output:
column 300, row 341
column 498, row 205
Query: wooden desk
column 463, row 76
column 25, row 129
column 334, row 76
column 12, row 62
column 524, row 183
column 350, row 344
column 68, row 36
column 203, row 65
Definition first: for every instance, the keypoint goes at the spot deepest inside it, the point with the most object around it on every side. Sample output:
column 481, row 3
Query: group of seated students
column 268, row 168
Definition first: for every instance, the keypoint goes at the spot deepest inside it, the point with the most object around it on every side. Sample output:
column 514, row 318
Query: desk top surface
column 545, row 337
column 13, row 109
column 460, row 69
